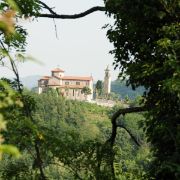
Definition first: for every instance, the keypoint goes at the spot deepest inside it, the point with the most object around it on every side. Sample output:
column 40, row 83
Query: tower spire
column 107, row 81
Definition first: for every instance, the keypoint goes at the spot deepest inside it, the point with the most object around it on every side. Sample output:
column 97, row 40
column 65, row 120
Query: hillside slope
column 119, row 87
column 30, row 81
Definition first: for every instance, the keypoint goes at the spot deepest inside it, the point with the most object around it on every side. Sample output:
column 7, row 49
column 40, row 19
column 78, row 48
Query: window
column 66, row 83
column 77, row 83
column 87, row 83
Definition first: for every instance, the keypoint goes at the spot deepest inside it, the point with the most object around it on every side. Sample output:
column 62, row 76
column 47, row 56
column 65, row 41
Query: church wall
column 72, row 93
column 75, row 82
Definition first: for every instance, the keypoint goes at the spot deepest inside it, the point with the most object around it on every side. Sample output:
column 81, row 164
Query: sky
column 81, row 49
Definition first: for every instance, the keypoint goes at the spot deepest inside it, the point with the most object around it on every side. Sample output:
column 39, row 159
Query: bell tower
column 107, row 81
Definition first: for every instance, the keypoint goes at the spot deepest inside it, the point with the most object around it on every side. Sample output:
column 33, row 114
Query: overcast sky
column 81, row 48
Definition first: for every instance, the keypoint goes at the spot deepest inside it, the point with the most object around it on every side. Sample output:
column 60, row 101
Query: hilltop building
column 107, row 81
column 69, row 86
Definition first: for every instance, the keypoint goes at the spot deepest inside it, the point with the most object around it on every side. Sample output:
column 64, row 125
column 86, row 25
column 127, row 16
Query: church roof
column 67, row 78
column 87, row 78
column 57, row 70
column 45, row 77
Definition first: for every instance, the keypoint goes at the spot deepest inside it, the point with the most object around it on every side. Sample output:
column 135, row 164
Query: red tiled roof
column 77, row 78
column 45, row 77
column 57, row 70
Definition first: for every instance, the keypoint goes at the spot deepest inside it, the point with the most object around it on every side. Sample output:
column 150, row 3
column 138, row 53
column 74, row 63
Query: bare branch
column 126, row 111
column 13, row 66
column 130, row 133
column 74, row 16
column 114, row 123
column 45, row 6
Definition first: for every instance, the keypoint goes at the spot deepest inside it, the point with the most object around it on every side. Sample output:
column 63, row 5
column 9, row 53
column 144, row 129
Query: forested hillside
column 119, row 87
column 67, row 140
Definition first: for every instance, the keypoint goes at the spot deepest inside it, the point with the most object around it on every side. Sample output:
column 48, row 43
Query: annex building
column 69, row 86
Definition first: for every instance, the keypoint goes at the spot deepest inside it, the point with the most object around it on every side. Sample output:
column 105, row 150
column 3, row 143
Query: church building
column 69, row 86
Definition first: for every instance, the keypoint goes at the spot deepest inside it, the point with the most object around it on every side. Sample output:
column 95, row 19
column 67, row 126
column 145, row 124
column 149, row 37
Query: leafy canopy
column 147, row 50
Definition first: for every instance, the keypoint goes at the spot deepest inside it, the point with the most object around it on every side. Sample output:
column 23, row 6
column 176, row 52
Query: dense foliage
column 7, row 99
column 146, row 49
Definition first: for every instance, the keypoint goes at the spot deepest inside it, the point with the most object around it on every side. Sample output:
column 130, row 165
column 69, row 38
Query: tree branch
column 130, row 133
column 39, row 161
column 74, row 16
column 126, row 111
column 45, row 6
column 115, row 125
column 13, row 66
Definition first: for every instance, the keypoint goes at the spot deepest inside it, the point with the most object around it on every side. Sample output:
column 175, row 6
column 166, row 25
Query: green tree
column 146, row 48
column 7, row 99
column 86, row 91
column 7, row 94
column 99, row 88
